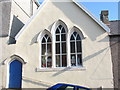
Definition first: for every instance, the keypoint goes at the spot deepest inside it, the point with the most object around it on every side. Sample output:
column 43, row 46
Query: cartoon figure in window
column 49, row 61
column 43, row 61
column 73, row 61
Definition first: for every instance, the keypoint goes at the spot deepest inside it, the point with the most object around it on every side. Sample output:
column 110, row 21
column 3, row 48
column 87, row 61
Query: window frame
column 60, row 42
column 76, row 53
column 82, row 36
column 52, row 34
column 46, row 43
column 39, row 39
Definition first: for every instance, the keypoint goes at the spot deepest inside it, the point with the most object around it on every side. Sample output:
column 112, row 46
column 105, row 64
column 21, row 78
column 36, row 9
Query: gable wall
column 96, row 52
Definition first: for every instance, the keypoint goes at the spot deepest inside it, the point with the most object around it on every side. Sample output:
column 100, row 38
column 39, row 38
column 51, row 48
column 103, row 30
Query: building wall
column 23, row 9
column 115, row 58
column 13, row 15
column 97, row 70
column 5, row 7
column 115, row 47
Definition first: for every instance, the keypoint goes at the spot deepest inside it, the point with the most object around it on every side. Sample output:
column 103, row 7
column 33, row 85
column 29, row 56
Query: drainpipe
column 31, row 7
column 37, row 3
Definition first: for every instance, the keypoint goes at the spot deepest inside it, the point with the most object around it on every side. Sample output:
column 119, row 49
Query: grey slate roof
column 115, row 27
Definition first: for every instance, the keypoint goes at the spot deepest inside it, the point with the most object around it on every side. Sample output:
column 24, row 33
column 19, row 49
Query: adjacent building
column 115, row 50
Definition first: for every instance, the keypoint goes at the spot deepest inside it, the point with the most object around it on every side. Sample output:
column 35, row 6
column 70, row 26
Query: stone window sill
column 80, row 68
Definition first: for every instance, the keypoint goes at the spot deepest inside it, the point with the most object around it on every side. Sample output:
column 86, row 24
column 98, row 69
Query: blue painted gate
column 15, row 74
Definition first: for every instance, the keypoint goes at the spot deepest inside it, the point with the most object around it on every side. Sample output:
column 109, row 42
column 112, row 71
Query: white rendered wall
column 97, row 61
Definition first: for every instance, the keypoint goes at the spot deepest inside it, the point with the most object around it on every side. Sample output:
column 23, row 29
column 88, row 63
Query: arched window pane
column 57, row 60
column 63, row 36
column 60, row 26
column 43, row 61
column 49, row 48
column 73, row 60
column 64, row 47
column 64, row 60
column 72, row 46
column 75, row 33
column 49, row 40
column 57, row 31
column 78, row 37
column 43, row 40
column 72, row 38
column 57, row 48
column 63, row 30
column 46, row 36
column 49, row 61
column 43, row 49
column 79, row 46
column 57, row 37
column 79, row 59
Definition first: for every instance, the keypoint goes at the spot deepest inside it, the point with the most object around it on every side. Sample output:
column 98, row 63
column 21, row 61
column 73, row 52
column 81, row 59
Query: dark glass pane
column 57, row 30
column 79, row 59
column 49, row 39
column 43, row 49
column 78, row 37
column 60, row 26
column 57, row 48
column 64, row 47
column 72, row 46
column 75, row 33
column 72, row 38
column 64, row 61
column 46, row 36
column 63, row 30
column 57, row 37
column 43, row 61
column 49, row 49
column 63, row 37
column 63, row 87
column 57, row 60
column 49, row 61
column 79, row 46
column 43, row 40
column 73, row 60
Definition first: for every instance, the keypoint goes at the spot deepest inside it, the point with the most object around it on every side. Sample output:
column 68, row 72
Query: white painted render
column 97, row 63
column 105, row 27
column 23, row 9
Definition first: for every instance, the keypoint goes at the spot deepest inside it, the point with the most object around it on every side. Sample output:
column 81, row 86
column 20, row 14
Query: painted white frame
column 39, row 39
column 82, row 36
column 46, row 43
column 60, row 42
column 76, row 53
column 53, row 30
column 52, row 35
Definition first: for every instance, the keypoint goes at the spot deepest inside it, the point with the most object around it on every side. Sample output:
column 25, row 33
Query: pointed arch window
column 75, row 49
column 61, row 54
column 46, row 56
